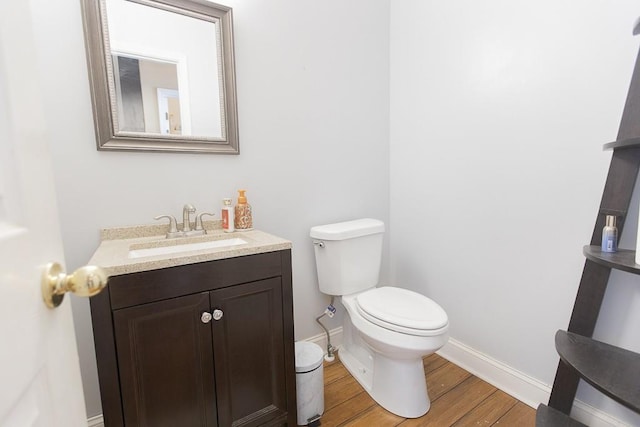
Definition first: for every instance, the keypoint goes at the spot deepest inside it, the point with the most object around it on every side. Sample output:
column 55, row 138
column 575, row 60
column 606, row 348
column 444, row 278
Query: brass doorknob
column 85, row 282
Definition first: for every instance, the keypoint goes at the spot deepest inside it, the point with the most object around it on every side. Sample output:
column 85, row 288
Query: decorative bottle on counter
column 610, row 235
column 227, row 216
column 243, row 218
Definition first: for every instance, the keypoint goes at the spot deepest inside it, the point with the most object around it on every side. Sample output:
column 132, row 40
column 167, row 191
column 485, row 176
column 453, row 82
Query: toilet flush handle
column 319, row 244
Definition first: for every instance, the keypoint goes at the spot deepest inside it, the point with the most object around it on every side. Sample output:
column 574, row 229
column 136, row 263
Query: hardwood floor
column 457, row 399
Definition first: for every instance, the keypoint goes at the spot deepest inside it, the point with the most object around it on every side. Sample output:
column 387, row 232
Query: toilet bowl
column 386, row 330
column 385, row 355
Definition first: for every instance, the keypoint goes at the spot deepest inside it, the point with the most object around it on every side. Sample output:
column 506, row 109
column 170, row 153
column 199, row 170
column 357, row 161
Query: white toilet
column 387, row 330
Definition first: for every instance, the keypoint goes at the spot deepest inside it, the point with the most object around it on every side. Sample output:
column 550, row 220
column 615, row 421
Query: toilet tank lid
column 347, row 229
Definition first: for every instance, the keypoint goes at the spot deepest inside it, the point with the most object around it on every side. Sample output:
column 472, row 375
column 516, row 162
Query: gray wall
column 499, row 112
column 313, row 100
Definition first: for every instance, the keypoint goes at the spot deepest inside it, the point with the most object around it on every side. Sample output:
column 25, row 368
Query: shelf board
column 614, row 212
column 623, row 143
column 624, row 259
column 546, row 416
column 612, row 370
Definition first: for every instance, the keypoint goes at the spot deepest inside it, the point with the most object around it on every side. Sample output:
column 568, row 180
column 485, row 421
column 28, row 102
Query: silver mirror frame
column 101, row 70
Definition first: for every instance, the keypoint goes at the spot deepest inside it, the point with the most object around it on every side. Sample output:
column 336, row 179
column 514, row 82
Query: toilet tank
column 348, row 255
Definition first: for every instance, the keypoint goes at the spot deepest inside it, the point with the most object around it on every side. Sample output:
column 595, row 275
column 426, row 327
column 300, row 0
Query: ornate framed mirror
column 162, row 75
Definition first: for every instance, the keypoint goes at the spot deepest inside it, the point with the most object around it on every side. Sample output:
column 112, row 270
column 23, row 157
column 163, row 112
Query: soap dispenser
column 243, row 218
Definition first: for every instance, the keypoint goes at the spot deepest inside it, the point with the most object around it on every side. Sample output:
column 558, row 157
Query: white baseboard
column 321, row 339
column 513, row 382
column 97, row 421
column 519, row 385
column 523, row 387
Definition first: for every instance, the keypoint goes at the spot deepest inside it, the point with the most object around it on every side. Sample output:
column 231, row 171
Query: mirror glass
column 162, row 75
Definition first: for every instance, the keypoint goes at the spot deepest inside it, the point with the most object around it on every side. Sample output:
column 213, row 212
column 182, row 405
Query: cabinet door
column 164, row 358
column 249, row 353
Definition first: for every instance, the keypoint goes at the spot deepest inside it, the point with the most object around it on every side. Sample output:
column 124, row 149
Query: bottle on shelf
column 610, row 235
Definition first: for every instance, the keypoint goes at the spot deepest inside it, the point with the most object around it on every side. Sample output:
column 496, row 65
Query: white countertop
column 113, row 253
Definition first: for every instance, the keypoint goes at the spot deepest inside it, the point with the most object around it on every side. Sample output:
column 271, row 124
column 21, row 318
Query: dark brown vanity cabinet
column 207, row 344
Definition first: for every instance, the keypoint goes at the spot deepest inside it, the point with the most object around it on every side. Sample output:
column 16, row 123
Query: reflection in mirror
column 162, row 75
column 148, row 97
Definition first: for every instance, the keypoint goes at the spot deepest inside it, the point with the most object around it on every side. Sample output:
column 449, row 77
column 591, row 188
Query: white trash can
column 309, row 382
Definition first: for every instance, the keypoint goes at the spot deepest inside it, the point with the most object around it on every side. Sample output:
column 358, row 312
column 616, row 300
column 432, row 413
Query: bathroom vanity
column 195, row 337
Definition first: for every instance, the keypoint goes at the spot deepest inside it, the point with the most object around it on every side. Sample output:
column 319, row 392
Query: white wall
column 499, row 110
column 313, row 111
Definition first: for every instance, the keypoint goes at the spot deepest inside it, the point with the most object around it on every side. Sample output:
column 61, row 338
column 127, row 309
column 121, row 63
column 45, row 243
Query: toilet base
column 399, row 386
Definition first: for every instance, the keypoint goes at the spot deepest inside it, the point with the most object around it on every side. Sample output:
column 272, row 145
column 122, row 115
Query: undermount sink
column 186, row 247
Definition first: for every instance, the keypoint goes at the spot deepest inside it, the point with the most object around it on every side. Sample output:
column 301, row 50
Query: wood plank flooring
column 457, row 399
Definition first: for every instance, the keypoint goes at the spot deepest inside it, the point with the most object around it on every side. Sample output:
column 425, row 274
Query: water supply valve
column 330, row 310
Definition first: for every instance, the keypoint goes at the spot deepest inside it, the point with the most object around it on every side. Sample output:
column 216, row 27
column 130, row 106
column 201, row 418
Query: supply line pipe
column 330, row 356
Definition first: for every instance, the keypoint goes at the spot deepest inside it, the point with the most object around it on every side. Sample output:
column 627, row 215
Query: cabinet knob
column 206, row 317
column 217, row 314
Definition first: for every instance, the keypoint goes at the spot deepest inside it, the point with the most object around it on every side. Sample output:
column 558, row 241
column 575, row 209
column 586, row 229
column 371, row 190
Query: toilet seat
column 402, row 310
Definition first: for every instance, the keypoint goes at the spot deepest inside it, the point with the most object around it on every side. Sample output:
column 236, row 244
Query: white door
column 39, row 372
column 169, row 111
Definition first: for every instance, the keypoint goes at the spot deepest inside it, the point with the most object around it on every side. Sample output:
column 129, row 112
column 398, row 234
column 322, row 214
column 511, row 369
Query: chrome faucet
column 187, row 210
column 186, row 231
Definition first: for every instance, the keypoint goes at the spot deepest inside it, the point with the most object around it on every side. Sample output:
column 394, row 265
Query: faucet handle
column 173, row 227
column 199, row 220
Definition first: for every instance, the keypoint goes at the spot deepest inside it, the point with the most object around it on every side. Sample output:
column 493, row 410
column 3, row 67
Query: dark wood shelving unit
column 547, row 416
column 622, row 144
column 612, row 370
column 623, row 260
